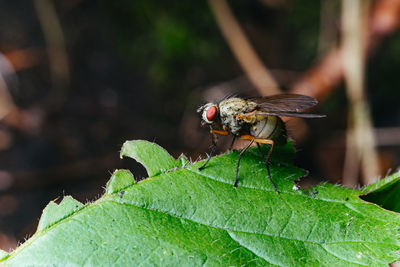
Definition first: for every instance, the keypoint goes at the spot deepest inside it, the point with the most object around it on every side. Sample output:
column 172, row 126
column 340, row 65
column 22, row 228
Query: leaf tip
column 119, row 180
column 384, row 192
column 152, row 156
column 54, row 212
column 381, row 184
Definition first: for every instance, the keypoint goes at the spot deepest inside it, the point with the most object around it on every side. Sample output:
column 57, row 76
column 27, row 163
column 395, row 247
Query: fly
column 256, row 120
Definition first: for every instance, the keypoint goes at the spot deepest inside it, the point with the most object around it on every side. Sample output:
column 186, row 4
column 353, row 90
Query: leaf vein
column 233, row 230
column 243, row 246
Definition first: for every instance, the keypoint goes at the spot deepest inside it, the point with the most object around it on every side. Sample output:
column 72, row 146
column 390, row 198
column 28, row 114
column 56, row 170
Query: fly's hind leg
column 213, row 147
column 267, row 164
column 233, row 141
column 266, row 160
column 238, row 163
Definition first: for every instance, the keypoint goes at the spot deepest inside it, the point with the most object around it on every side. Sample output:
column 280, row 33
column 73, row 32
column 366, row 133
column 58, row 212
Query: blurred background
column 78, row 78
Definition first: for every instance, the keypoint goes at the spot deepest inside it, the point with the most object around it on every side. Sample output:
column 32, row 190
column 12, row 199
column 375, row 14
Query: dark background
column 139, row 70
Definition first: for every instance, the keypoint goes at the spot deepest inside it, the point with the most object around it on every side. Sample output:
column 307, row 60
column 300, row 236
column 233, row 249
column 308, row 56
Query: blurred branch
column 360, row 147
column 10, row 114
column 57, row 52
column 25, row 58
column 28, row 121
column 385, row 19
column 325, row 75
column 353, row 64
column 388, row 136
column 327, row 36
column 256, row 71
column 273, row 3
column 6, row 102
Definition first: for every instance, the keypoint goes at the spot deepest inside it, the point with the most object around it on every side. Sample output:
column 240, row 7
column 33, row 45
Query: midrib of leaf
column 137, row 204
column 246, row 247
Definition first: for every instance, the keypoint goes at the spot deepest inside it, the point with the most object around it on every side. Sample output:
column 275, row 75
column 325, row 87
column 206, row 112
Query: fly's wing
column 289, row 105
column 287, row 114
column 284, row 102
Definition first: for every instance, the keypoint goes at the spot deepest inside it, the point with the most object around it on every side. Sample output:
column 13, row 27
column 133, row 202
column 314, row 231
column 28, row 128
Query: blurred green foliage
column 166, row 40
column 174, row 41
column 303, row 32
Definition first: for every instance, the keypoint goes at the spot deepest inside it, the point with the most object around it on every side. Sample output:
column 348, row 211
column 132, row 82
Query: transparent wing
column 285, row 103
column 286, row 114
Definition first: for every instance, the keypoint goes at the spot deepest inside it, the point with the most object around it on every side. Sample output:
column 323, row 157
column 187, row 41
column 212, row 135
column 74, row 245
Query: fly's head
column 209, row 113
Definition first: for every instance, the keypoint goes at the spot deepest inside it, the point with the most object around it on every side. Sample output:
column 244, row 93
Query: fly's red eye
column 211, row 113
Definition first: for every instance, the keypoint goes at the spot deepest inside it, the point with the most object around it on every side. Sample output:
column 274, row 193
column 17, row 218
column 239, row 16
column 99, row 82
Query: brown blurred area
column 78, row 78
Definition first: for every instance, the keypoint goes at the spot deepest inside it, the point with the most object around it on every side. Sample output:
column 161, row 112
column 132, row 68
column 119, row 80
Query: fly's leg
column 266, row 160
column 220, row 132
column 233, row 141
column 238, row 163
column 213, row 147
column 267, row 164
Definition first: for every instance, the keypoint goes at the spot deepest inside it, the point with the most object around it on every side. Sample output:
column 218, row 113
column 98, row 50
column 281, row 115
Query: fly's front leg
column 238, row 163
column 220, row 132
column 213, row 147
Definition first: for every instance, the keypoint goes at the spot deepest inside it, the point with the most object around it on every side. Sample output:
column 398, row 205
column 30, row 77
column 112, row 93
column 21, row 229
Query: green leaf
column 56, row 212
column 3, row 255
column 385, row 193
column 120, row 180
column 181, row 216
column 153, row 157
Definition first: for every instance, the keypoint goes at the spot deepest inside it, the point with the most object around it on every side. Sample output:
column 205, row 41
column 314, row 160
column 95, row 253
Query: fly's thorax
column 235, row 105
column 271, row 127
column 230, row 108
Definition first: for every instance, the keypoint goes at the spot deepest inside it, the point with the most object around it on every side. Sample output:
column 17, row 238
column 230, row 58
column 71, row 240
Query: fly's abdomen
column 272, row 127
